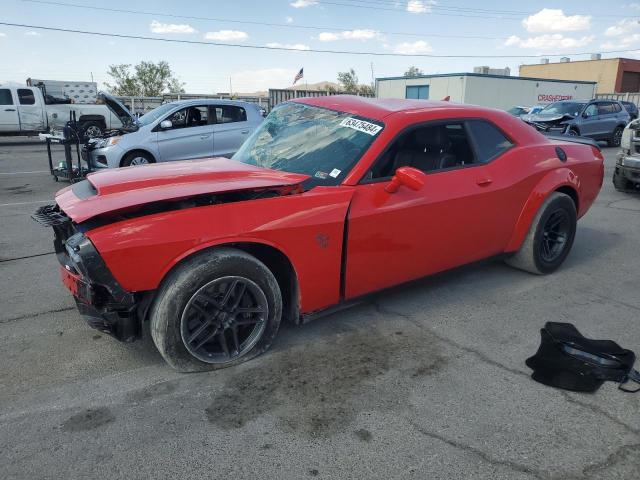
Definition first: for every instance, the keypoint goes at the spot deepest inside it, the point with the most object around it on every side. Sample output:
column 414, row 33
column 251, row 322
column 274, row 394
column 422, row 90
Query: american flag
column 298, row 76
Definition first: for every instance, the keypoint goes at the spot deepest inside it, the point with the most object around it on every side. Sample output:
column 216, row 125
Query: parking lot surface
column 425, row 381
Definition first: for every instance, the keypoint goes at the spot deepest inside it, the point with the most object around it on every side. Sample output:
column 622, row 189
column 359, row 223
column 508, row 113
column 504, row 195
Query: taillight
column 597, row 153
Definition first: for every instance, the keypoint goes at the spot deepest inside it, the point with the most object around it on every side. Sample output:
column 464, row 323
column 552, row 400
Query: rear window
column 26, row 96
column 607, row 108
column 489, row 141
column 5, row 97
column 230, row 114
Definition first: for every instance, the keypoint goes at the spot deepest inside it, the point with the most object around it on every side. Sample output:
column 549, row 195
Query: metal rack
column 71, row 137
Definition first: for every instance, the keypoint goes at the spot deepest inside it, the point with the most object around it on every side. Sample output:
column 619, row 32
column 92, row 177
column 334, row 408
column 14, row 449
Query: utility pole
column 230, row 88
column 91, row 76
column 373, row 81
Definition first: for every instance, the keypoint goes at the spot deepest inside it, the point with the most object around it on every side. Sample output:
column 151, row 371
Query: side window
column 489, row 141
column 5, row 97
column 26, row 96
column 190, row 117
column 591, row 110
column 617, row 108
column 605, row 108
column 427, row 148
column 230, row 114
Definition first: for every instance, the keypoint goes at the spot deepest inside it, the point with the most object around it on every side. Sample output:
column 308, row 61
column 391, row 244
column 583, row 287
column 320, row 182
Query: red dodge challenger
column 330, row 199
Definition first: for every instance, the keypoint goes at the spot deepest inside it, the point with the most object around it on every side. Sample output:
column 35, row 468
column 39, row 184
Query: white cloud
column 635, row 6
column 548, row 42
column 628, row 41
column 31, row 33
column 248, row 81
column 623, row 27
column 412, row 48
column 420, row 6
column 303, row 3
column 158, row 27
column 226, row 35
column 365, row 34
column 554, row 20
column 289, row 19
column 290, row 46
column 2, row 34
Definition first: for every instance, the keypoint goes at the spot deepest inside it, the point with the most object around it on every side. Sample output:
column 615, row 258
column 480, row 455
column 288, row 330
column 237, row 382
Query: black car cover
column 566, row 359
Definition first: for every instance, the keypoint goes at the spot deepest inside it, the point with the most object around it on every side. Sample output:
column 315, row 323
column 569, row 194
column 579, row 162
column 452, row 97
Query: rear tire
column 92, row 129
column 546, row 246
column 616, row 137
column 193, row 304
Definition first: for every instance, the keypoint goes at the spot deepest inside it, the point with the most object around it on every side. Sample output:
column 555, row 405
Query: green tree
column 349, row 81
column 366, row 90
column 413, row 72
column 147, row 79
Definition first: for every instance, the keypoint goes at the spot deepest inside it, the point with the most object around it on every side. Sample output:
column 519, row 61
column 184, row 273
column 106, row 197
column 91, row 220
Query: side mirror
column 585, row 115
column 166, row 124
column 409, row 177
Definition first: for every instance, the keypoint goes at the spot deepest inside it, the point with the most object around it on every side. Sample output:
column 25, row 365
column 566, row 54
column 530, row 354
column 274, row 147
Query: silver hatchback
column 180, row 130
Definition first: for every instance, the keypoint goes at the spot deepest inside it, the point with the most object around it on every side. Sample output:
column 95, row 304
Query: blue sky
column 538, row 27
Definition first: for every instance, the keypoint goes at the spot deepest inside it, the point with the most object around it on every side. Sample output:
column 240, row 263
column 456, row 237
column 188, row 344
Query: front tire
column 621, row 184
column 550, row 236
column 219, row 308
column 138, row 158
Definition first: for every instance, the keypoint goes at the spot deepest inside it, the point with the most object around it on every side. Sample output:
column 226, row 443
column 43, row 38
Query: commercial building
column 613, row 75
column 497, row 91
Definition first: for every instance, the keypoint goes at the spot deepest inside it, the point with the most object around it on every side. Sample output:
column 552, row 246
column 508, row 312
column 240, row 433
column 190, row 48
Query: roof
column 622, row 59
column 487, row 75
column 374, row 108
column 209, row 101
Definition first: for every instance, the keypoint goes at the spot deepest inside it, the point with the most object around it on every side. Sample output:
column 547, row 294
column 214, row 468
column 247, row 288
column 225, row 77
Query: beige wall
column 604, row 72
column 487, row 91
column 439, row 87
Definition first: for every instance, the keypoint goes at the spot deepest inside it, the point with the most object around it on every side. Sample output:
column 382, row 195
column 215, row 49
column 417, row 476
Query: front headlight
column 625, row 141
column 113, row 140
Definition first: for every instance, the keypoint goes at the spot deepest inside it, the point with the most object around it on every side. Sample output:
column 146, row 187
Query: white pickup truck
column 24, row 111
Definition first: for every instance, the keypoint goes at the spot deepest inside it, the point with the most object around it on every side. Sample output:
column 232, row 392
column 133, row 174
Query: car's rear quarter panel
column 307, row 228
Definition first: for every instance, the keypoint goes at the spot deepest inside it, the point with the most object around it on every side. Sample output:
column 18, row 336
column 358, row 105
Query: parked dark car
column 631, row 108
column 597, row 119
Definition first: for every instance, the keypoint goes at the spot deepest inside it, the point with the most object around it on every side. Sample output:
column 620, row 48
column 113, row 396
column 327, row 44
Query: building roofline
column 584, row 60
column 484, row 75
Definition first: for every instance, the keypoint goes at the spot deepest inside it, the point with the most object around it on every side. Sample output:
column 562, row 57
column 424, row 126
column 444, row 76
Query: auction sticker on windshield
column 360, row 125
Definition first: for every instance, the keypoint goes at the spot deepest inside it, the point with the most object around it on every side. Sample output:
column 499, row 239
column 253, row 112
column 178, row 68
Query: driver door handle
column 205, row 136
column 244, row 132
column 484, row 182
column 9, row 109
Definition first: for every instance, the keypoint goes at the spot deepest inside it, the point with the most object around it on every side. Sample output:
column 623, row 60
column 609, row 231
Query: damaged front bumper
column 551, row 127
column 628, row 167
column 100, row 299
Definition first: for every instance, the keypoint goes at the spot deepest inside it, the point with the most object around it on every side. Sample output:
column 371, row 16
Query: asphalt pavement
column 425, row 382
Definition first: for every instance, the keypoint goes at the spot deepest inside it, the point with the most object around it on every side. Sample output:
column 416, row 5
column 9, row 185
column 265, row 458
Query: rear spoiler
column 573, row 139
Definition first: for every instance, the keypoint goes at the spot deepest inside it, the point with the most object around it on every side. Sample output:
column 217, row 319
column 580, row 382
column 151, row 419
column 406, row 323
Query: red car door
column 459, row 216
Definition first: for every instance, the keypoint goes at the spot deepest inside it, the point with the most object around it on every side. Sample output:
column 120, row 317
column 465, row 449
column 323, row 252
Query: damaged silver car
column 626, row 176
column 597, row 119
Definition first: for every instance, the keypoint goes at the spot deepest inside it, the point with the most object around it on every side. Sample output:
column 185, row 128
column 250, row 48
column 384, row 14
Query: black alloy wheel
column 555, row 235
column 224, row 319
column 616, row 138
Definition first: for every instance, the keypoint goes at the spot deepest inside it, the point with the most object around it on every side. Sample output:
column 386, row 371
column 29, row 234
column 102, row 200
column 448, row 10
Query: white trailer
column 497, row 91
